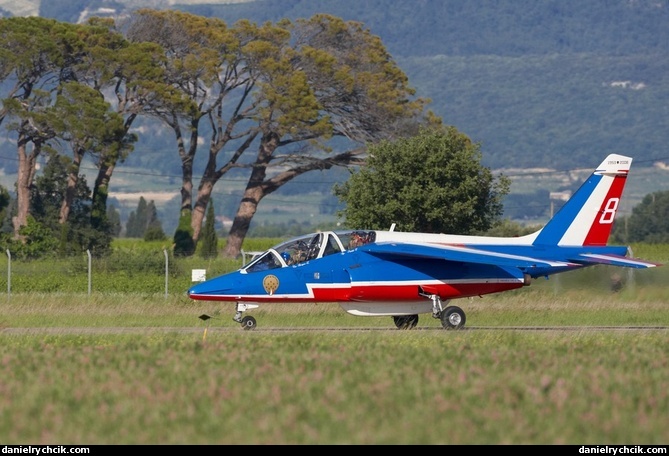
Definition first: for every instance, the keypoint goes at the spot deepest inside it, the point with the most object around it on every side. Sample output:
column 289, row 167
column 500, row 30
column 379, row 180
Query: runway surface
column 186, row 330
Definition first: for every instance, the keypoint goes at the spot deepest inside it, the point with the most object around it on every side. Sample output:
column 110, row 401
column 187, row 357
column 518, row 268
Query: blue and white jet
column 400, row 274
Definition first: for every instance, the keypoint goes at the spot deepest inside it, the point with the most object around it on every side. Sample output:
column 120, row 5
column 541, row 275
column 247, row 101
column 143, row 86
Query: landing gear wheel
column 248, row 323
column 452, row 317
column 406, row 321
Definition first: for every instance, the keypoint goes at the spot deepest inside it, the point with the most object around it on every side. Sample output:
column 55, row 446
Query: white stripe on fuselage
column 455, row 239
column 503, row 255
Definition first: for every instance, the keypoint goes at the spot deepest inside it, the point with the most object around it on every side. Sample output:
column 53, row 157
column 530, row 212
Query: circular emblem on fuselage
column 270, row 283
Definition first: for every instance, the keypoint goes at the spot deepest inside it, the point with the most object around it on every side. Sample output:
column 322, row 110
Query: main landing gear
column 405, row 321
column 452, row 317
column 247, row 322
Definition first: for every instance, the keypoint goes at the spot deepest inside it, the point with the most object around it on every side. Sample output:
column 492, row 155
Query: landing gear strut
column 248, row 322
column 452, row 317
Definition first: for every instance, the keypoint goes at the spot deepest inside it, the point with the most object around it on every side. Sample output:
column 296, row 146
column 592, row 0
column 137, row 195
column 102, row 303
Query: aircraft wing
column 613, row 260
column 461, row 254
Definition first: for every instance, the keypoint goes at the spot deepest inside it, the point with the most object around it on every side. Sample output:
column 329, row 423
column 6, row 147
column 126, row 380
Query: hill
column 549, row 84
column 531, row 81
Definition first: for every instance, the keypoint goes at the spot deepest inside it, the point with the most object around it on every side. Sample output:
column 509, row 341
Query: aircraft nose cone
column 222, row 285
column 206, row 288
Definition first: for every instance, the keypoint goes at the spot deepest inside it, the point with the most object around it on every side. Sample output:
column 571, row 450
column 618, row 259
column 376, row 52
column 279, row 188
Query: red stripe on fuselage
column 445, row 291
column 370, row 293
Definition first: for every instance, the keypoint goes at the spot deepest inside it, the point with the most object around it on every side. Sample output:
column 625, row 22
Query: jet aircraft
column 403, row 274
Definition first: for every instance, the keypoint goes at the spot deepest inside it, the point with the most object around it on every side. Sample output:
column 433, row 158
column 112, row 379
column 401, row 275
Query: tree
column 83, row 118
column 307, row 89
column 183, row 238
column 43, row 59
column 76, row 234
column 203, row 65
column 133, row 74
column 114, row 220
column 154, row 229
column 5, row 200
column 31, row 67
column 335, row 88
column 143, row 222
column 432, row 182
column 649, row 221
column 37, row 241
column 209, row 239
column 138, row 220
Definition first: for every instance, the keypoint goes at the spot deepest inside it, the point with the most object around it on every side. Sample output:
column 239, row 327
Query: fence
column 139, row 271
column 157, row 271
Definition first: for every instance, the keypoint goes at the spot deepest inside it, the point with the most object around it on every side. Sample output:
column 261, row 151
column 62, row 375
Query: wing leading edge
column 462, row 254
column 467, row 254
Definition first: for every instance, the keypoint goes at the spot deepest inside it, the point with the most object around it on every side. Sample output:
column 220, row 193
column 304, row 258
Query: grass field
column 69, row 378
column 129, row 363
column 399, row 387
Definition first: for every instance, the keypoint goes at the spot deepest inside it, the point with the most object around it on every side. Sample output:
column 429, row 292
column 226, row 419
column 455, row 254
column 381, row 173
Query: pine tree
column 131, row 225
column 137, row 221
column 154, row 229
column 183, row 236
column 114, row 220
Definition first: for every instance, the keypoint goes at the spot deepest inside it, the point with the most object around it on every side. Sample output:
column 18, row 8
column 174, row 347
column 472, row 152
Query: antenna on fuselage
column 392, row 227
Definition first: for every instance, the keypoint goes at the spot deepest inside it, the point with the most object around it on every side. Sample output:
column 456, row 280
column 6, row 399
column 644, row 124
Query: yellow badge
column 270, row 283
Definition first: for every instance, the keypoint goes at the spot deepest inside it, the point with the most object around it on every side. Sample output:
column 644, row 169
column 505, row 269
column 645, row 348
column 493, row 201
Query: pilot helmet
column 285, row 256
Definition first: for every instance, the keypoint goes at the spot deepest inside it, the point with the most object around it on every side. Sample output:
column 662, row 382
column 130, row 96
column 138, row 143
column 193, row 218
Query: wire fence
column 144, row 271
column 147, row 269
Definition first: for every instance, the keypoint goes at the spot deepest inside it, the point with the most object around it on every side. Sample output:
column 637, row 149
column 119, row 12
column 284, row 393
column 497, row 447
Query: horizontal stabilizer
column 613, row 260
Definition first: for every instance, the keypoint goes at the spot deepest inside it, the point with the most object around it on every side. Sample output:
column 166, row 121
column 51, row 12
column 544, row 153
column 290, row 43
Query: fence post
column 89, row 271
column 9, row 274
column 167, row 268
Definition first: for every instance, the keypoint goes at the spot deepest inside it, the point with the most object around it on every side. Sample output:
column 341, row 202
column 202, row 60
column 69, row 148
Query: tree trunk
column 100, row 194
column 24, row 181
column 201, row 203
column 70, row 190
column 255, row 191
column 187, row 157
column 242, row 222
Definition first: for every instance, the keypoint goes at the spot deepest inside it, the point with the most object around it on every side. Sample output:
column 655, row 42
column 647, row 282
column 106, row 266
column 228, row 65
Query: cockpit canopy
column 308, row 247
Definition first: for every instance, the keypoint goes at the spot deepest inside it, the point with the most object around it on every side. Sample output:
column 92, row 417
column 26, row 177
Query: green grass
column 542, row 306
column 70, row 376
column 396, row 387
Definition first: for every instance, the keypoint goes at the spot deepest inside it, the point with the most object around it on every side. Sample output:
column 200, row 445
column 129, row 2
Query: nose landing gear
column 247, row 322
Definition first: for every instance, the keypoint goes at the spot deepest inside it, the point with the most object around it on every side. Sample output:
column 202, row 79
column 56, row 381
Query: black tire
column 452, row 317
column 406, row 321
column 248, row 323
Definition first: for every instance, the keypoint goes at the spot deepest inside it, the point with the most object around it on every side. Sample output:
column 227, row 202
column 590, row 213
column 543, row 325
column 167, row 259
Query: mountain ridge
column 523, row 78
column 554, row 85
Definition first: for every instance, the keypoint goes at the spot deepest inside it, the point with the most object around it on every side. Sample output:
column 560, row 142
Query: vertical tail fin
column 587, row 218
